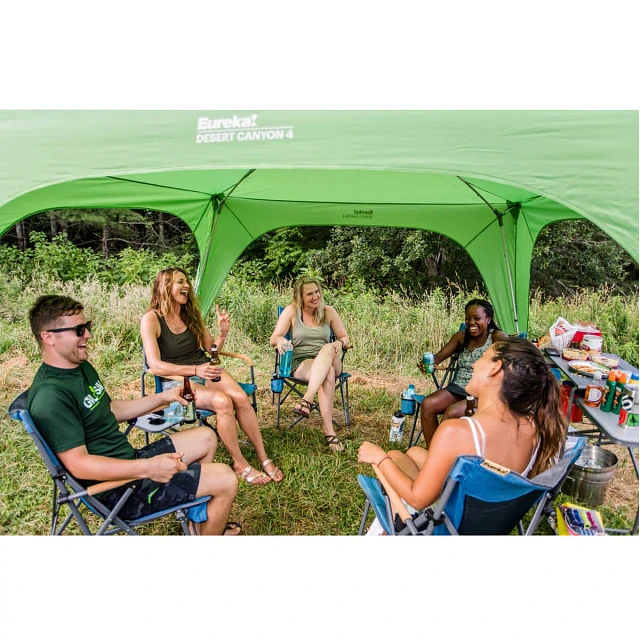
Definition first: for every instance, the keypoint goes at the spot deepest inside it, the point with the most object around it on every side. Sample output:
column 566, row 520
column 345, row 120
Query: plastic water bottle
column 173, row 413
column 285, row 360
column 397, row 426
column 407, row 402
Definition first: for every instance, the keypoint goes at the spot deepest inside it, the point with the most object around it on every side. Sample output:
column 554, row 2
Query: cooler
column 565, row 393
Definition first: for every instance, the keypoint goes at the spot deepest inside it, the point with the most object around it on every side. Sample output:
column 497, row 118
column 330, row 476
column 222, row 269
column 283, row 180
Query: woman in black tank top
column 176, row 343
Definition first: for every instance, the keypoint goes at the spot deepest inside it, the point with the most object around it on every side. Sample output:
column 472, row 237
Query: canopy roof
column 490, row 180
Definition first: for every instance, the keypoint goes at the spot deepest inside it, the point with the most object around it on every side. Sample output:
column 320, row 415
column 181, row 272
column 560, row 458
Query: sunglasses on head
column 79, row 329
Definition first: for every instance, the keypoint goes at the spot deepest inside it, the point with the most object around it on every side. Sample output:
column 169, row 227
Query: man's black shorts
column 151, row 496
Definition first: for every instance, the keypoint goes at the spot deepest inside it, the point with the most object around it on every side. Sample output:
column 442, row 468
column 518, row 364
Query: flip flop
column 246, row 475
column 334, row 440
column 304, row 404
column 265, row 464
column 233, row 526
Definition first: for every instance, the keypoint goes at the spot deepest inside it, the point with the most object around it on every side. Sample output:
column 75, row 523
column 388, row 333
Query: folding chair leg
column 278, row 408
column 344, row 394
column 367, row 504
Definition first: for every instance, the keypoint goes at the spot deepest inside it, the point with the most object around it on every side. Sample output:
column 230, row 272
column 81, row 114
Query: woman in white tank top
column 518, row 425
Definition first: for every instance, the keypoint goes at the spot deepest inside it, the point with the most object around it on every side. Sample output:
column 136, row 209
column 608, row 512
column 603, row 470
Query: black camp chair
column 279, row 383
column 70, row 492
column 479, row 498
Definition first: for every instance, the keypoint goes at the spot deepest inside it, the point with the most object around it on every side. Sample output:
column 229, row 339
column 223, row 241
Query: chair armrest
column 101, row 487
column 396, row 502
column 239, row 356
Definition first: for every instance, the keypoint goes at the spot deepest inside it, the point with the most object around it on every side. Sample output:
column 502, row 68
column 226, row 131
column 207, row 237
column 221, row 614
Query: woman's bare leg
column 310, row 370
column 247, row 419
column 432, row 406
column 221, row 403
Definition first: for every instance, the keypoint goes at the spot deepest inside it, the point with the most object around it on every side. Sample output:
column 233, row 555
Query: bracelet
column 383, row 459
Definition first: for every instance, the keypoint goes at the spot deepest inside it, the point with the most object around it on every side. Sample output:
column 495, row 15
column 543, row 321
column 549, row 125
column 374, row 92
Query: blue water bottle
column 407, row 403
column 285, row 361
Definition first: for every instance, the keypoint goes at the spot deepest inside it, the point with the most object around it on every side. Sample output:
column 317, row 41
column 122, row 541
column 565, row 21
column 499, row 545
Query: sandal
column 246, row 475
column 334, row 441
column 236, row 527
column 273, row 475
column 304, row 404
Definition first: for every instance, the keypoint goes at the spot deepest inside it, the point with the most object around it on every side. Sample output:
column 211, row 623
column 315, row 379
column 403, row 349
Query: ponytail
column 530, row 389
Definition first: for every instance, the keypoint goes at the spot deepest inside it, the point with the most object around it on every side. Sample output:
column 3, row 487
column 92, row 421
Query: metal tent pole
column 500, row 215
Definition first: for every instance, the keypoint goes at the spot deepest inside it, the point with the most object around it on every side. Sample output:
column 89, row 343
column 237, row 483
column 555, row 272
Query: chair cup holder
column 277, row 385
column 407, row 406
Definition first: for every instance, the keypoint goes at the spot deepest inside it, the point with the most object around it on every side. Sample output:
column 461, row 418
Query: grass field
column 319, row 495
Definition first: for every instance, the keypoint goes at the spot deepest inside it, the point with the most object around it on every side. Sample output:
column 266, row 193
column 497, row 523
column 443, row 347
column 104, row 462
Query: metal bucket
column 588, row 479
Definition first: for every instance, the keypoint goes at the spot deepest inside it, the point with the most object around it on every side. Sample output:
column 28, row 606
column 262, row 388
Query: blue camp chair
column 70, row 492
column 440, row 380
column 280, row 383
column 479, row 498
column 153, row 426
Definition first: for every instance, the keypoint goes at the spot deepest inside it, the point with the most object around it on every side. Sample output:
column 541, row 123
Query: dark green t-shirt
column 71, row 407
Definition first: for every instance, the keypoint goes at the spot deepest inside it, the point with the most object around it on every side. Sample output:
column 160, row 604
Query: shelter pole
column 506, row 259
column 500, row 215
column 217, row 210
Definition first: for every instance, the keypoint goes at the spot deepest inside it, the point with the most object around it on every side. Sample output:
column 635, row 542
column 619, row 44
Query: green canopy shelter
column 489, row 180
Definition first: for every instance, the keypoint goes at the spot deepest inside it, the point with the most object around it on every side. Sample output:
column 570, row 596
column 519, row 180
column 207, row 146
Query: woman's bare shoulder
column 149, row 318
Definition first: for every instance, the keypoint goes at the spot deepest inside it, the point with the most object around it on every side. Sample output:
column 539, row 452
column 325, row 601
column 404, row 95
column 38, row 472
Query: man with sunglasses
column 79, row 421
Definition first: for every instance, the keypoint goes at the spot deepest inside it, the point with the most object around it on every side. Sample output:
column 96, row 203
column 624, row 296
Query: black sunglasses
column 79, row 329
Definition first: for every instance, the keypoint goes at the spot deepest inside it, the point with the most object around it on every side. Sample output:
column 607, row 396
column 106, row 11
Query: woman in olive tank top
column 315, row 359
column 175, row 339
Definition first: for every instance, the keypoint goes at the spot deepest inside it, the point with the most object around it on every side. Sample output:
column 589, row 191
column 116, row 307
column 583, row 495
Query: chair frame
column 291, row 383
column 67, row 490
column 544, row 489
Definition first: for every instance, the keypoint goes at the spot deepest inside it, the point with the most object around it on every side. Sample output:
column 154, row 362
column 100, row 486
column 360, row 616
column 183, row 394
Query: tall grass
column 319, row 494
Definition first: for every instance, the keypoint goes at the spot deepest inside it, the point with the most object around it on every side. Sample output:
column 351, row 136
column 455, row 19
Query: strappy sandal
column 334, row 440
column 304, row 404
column 233, row 526
column 246, row 472
column 265, row 464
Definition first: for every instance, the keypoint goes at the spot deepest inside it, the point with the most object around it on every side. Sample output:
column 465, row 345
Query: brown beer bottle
column 189, row 412
column 215, row 360
column 470, row 409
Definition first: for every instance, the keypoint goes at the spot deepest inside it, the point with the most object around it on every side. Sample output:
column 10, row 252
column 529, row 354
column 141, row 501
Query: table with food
column 603, row 386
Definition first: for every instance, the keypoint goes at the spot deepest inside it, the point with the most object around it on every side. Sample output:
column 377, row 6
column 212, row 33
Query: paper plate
column 586, row 368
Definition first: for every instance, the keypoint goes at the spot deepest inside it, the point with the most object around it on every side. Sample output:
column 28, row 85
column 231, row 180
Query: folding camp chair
column 279, row 383
column 479, row 498
column 447, row 377
column 70, row 492
column 149, row 427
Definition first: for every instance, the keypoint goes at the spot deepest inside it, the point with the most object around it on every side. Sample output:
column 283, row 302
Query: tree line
column 568, row 255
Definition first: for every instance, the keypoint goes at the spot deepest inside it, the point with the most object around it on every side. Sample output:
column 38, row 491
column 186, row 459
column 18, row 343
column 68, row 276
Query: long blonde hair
column 319, row 315
column 162, row 302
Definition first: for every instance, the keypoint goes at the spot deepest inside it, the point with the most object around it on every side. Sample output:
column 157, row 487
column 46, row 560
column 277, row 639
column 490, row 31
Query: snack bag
column 562, row 333
column 578, row 521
